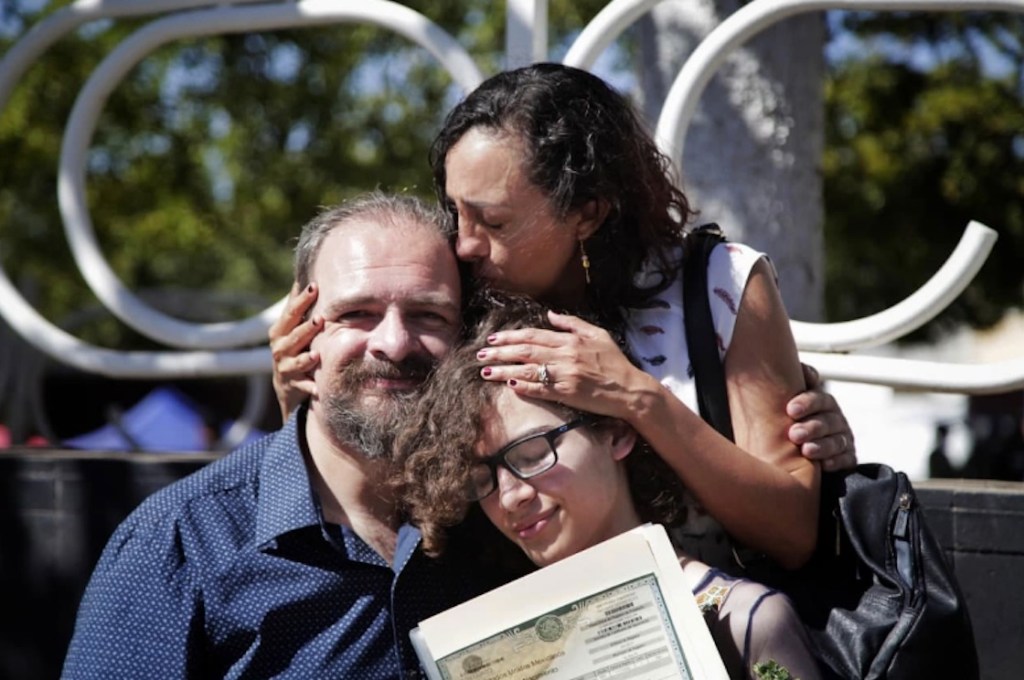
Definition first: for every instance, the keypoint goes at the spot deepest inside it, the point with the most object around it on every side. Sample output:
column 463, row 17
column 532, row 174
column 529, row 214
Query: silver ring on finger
column 544, row 375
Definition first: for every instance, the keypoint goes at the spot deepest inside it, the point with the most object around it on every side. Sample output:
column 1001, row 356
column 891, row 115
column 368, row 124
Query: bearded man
column 288, row 556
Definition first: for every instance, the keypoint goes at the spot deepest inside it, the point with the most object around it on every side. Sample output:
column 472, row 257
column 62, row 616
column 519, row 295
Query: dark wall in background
column 57, row 511
column 981, row 526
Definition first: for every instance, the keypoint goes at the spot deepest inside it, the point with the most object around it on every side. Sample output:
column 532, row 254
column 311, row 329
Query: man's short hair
column 388, row 210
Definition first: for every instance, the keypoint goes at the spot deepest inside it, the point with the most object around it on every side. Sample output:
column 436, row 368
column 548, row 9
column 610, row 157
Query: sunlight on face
column 389, row 315
column 583, row 500
column 508, row 229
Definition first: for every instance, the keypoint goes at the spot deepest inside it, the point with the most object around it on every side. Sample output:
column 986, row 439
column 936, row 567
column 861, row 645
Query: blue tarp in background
column 164, row 420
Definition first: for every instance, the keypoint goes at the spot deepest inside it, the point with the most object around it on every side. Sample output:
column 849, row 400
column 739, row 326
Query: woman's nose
column 470, row 244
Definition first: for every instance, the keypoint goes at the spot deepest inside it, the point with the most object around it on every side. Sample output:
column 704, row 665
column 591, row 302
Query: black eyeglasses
column 528, row 457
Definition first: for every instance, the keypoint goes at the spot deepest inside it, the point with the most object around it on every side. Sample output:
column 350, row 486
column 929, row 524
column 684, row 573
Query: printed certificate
column 620, row 609
column 624, row 632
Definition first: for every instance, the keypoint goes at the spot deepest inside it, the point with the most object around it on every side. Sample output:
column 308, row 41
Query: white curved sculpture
column 910, row 314
column 221, row 20
column 54, row 27
column 68, row 349
column 203, row 17
column 749, row 20
column 904, row 317
column 604, row 29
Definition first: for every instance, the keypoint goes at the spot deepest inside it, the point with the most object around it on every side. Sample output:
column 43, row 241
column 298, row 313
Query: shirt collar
column 286, row 501
column 405, row 547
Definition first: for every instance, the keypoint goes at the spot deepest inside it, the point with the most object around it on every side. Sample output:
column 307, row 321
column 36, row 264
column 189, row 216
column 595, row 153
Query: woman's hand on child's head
column 578, row 365
column 289, row 344
column 821, row 430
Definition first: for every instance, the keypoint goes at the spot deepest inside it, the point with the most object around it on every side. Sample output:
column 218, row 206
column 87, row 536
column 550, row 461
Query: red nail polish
column 309, row 288
column 482, row 354
column 486, row 371
column 492, row 338
column 513, row 382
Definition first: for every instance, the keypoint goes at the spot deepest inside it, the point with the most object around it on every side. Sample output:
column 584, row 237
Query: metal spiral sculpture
column 214, row 349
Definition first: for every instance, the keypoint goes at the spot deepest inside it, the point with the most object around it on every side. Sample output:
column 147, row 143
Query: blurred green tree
column 213, row 152
column 924, row 132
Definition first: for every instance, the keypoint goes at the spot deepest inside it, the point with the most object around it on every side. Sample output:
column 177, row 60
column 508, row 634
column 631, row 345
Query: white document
column 621, row 609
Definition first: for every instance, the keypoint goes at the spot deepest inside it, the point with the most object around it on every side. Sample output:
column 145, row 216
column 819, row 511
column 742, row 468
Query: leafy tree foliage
column 213, row 152
column 925, row 131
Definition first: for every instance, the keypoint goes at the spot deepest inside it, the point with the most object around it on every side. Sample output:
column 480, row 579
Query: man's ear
column 623, row 439
column 591, row 216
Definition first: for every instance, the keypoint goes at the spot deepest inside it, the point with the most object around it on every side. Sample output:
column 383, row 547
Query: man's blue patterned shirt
column 232, row 572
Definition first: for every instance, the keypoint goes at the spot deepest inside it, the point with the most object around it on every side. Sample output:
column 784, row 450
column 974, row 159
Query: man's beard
column 370, row 421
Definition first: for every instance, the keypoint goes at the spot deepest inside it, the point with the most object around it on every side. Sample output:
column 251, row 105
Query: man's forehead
column 398, row 234
column 368, row 260
column 369, row 242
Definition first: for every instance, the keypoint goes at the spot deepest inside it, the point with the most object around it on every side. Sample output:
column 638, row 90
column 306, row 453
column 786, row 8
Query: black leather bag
column 877, row 598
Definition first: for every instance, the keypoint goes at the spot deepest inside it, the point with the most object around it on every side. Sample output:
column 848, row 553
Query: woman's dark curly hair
column 584, row 141
column 437, row 448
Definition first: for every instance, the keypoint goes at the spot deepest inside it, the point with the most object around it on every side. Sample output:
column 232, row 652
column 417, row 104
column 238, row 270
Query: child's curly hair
column 436, row 449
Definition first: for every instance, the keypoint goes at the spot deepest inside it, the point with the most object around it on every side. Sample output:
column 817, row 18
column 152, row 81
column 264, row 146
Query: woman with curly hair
column 555, row 480
column 555, row 189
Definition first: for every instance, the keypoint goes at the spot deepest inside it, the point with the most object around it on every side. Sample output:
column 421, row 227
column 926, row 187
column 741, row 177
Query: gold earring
column 585, row 261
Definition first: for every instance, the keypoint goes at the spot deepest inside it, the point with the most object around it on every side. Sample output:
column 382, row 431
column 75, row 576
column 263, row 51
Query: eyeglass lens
column 527, row 458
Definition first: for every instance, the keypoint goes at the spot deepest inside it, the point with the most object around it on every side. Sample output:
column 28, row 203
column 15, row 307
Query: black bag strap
column 701, row 339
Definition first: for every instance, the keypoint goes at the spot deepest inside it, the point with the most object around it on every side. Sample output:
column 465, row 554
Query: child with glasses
column 555, row 481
